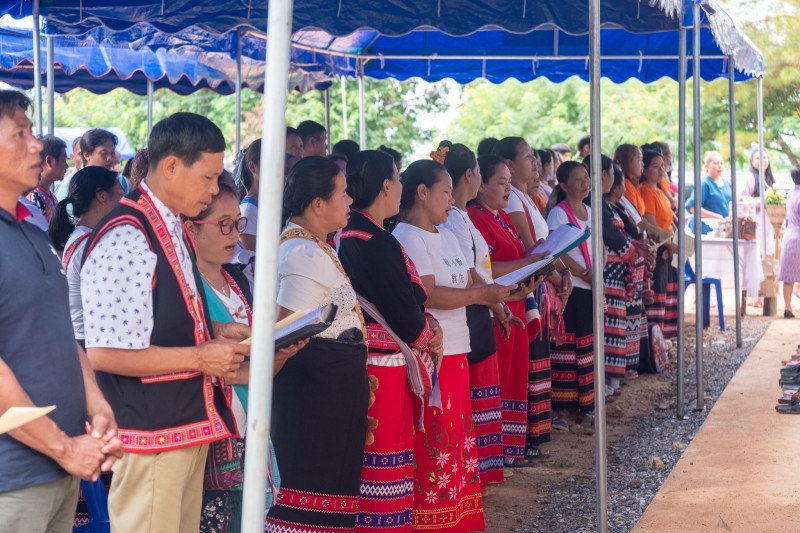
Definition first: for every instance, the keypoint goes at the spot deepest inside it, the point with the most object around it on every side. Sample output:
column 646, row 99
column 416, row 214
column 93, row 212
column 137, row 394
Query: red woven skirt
column 512, row 362
column 447, row 489
column 484, row 393
column 387, row 478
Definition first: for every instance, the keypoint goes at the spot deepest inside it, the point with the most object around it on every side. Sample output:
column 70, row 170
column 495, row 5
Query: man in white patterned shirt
column 148, row 335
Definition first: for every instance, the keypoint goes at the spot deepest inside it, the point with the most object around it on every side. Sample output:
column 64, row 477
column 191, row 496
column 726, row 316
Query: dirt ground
column 516, row 503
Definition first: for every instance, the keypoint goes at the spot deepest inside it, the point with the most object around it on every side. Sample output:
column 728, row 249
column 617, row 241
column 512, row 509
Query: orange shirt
column 633, row 196
column 665, row 185
column 657, row 204
column 540, row 201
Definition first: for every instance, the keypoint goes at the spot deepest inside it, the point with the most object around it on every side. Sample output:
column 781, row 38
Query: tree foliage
column 393, row 111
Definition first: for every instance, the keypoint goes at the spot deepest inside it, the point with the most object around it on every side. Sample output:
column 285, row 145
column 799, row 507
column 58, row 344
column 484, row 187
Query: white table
column 718, row 263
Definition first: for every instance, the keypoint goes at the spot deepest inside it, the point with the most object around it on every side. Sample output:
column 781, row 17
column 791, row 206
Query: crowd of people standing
column 432, row 382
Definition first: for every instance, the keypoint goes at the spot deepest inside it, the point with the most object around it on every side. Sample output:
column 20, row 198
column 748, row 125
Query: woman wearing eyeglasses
column 216, row 231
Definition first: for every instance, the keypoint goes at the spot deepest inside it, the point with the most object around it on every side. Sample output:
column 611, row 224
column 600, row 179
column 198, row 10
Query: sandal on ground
column 516, row 463
column 508, row 473
column 790, row 409
column 788, row 314
column 535, row 452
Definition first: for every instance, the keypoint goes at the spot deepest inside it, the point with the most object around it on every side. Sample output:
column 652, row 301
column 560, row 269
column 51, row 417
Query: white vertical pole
column 681, row 370
column 362, row 119
column 698, row 222
column 37, row 69
column 345, row 129
column 150, row 91
column 51, row 86
column 279, row 29
column 238, row 134
column 762, row 185
column 598, row 317
column 734, row 204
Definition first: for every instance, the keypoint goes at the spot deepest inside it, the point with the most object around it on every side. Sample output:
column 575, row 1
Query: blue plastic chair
column 707, row 283
column 97, row 503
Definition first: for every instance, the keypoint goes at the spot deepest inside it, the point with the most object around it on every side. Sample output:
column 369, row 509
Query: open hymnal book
column 543, row 267
column 561, row 240
column 300, row 325
column 15, row 417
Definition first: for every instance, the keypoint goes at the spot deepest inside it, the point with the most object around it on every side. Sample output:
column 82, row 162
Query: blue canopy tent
column 387, row 18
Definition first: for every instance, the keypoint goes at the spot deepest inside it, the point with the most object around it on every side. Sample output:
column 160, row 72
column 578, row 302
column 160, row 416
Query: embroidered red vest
column 165, row 412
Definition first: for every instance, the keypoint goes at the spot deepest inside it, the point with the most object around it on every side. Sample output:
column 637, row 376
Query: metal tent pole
column 762, row 185
column 150, row 91
column 37, row 69
column 345, row 129
column 327, row 98
column 238, row 133
column 681, row 370
column 279, row 29
column 737, row 285
column 362, row 119
column 596, row 223
column 51, row 86
column 698, row 222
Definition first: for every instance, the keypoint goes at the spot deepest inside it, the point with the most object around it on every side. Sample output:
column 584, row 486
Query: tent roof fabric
column 463, row 41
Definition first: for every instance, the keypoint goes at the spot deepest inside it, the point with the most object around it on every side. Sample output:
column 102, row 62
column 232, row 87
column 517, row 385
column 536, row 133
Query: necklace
column 224, row 288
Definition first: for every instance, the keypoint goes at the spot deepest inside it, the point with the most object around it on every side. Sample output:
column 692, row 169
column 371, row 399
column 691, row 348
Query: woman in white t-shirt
column 249, row 204
column 573, row 360
column 94, row 191
column 506, row 369
column 319, row 424
column 445, row 451
column 553, row 295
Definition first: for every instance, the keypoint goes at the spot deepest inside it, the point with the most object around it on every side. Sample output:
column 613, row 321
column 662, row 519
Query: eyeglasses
column 226, row 225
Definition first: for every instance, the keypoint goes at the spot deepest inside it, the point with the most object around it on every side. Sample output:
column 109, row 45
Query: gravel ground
column 632, row 479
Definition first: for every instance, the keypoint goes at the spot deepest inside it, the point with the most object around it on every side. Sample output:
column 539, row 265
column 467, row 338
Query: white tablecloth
column 718, row 263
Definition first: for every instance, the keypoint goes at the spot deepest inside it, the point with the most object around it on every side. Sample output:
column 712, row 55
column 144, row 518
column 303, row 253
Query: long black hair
column 458, row 160
column 312, row 177
column 422, row 172
column 251, row 155
column 366, row 172
column 768, row 177
column 82, row 192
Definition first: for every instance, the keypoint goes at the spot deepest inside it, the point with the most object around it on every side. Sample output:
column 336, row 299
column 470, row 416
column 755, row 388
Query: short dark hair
column 545, row 156
column 225, row 187
column 583, row 141
column 649, row 155
column 93, row 138
column 186, row 136
column 347, row 148
column 561, row 148
column 291, row 131
column 52, row 146
column 309, row 128
column 10, row 101
column 486, row 146
column 366, row 172
column 312, row 177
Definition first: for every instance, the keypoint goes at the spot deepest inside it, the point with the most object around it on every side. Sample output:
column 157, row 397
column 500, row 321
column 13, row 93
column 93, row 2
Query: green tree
column 393, row 110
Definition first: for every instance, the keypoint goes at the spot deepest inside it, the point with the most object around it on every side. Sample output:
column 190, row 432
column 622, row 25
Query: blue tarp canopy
column 639, row 39
column 101, row 67
column 342, row 17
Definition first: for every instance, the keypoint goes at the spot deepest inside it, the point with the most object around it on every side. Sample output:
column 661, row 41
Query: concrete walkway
column 741, row 472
